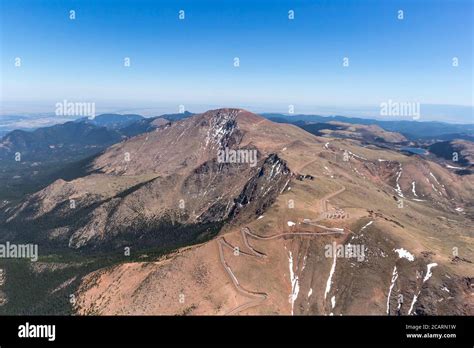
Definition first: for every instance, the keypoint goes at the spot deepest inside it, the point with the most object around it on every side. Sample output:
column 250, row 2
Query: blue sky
column 282, row 61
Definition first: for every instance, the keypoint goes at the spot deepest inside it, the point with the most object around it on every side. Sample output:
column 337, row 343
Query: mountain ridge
column 167, row 189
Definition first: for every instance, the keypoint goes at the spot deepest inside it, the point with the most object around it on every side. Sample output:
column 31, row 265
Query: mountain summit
column 169, row 178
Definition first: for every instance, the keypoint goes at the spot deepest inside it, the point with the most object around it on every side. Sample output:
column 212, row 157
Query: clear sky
column 282, row 61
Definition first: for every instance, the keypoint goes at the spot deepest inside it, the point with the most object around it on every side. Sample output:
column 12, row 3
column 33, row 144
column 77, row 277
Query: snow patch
column 398, row 188
column 413, row 303
column 331, row 273
column 413, row 189
column 402, row 253
column 427, row 276
column 367, row 225
column 283, row 189
column 394, row 278
column 434, row 177
column 451, row 167
column 295, row 287
column 428, row 271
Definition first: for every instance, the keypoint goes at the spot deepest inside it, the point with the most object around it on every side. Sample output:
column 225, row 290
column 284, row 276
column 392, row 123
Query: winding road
column 259, row 297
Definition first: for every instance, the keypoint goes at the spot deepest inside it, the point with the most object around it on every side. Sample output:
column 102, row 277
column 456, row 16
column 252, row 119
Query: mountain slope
column 49, row 142
column 408, row 251
column 447, row 149
column 138, row 186
column 408, row 218
column 33, row 159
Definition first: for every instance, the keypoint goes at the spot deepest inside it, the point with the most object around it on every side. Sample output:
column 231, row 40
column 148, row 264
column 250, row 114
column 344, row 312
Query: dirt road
column 258, row 298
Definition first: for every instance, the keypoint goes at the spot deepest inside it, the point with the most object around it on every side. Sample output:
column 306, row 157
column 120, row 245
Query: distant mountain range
column 80, row 137
column 31, row 159
column 112, row 120
column 413, row 130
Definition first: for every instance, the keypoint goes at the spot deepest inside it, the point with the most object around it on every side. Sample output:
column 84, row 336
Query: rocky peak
column 222, row 124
